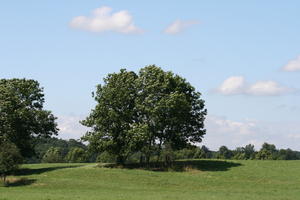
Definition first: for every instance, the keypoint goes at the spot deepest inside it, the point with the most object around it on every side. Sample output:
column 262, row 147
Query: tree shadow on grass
column 182, row 166
column 205, row 165
column 15, row 182
column 29, row 171
column 20, row 181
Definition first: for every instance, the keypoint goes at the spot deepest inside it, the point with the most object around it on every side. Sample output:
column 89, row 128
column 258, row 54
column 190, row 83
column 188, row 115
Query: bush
column 185, row 153
column 76, row 155
column 224, row 153
column 10, row 159
column 53, row 155
column 106, row 157
column 202, row 152
column 168, row 155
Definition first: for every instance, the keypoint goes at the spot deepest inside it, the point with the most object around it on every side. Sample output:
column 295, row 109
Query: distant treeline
column 266, row 152
column 54, row 150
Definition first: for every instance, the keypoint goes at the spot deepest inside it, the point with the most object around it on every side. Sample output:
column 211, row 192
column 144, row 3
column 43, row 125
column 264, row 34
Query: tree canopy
column 22, row 116
column 143, row 112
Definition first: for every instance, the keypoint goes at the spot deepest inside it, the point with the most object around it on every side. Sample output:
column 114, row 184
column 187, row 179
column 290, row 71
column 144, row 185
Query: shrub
column 10, row 159
column 53, row 155
column 106, row 157
column 76, row 155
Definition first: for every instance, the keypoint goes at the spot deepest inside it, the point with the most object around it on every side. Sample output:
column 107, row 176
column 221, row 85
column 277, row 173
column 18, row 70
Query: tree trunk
column 148, row 154
column 120, row 160
column 141, row 160
column 148, row 160
column 159, row 152
column 3, row 177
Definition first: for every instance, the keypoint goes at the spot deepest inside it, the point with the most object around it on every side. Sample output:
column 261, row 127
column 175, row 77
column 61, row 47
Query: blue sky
column 243, row 56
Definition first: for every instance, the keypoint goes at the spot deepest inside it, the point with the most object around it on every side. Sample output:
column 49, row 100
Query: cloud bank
column 103, row 20
column 238, row 85
column 179, row 26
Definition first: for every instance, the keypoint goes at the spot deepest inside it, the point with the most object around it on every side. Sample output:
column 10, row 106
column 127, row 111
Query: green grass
column 203, row 179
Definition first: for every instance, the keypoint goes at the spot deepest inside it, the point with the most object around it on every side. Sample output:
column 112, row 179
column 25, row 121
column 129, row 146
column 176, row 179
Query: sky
column 243, row 56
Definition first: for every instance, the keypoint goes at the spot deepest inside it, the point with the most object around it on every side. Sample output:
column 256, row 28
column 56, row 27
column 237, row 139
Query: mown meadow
column 193, row 179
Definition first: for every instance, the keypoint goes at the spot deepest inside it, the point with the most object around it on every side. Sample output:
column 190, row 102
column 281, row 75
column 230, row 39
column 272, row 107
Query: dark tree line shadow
column 180, row 166
column 28, row 171
column 15, row 182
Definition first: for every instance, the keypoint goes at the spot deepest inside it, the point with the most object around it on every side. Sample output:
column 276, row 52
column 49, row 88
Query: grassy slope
column 261, row 180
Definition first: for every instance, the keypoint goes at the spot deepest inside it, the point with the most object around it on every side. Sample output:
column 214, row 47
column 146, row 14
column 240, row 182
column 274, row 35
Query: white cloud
column 231, row 133
column 233, row 85
column 237, row 85
column 69, row 127
column 267, row 88
column 179, row 26
column 293, row 65
column 225, row 126
column 103, row 20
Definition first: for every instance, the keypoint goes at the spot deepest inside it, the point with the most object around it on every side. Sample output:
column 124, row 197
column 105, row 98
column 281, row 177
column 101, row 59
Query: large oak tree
column 144, row 112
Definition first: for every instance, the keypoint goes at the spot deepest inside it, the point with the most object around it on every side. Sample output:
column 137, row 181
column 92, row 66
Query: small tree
column 202, row 152
column 267, row 152
column 249, row 151
column 168, row 155
column 53, row 155
column 76, row 155
column 239, row 153
column 225, row 153
column 10, row 159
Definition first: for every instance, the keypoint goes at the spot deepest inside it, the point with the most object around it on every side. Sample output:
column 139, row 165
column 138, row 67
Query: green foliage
column 225, row 153
column 41, row 146
column 22, row 117
column 287, row 154
column 77, row 155
column 143, row 113
column 168, row 155
column 10, row 158
column 169, row 110
column 186, row 153
column 249, row 151
column 264, row 155
column 53, row 155
column 203, row 153
column 113, row 115
column 244, row 153
column 106, row 157
column 267, row 152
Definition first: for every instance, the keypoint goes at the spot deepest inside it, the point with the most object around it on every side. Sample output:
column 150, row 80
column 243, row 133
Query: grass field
column 203, row 179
